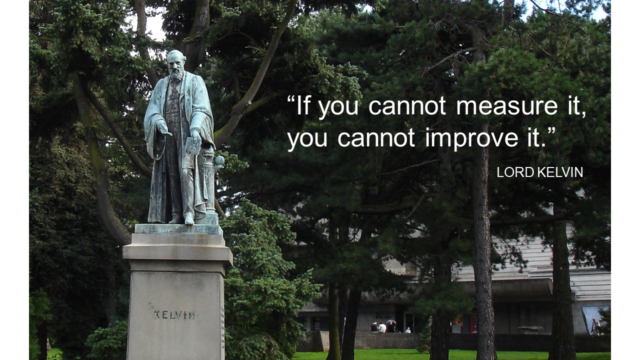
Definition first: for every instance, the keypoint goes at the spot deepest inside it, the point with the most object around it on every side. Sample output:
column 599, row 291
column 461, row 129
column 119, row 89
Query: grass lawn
column 54, row 354
column 410, row 354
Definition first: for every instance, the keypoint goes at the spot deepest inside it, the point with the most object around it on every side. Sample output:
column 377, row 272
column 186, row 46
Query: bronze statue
column 178, row 129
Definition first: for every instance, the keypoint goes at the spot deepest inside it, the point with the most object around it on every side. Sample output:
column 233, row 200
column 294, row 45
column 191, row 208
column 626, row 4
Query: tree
column 556, row 56
column 262, row 297
column 393, row 44
column 288, row 181
column 360, row 185
column 38, row 314
column 109, row 343
column 605, row 322
column 71, row 257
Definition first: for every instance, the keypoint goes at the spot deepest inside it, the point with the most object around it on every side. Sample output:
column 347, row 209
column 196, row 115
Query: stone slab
column 178, row 229
column 177, row 252
column 178, row 239
column 178, row 266
column 176, row 316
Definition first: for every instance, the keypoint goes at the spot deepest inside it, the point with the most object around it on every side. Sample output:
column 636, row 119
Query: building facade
column 523, row 298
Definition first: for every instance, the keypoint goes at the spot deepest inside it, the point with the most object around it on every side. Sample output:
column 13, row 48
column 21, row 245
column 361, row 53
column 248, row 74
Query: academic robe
column 196, row 110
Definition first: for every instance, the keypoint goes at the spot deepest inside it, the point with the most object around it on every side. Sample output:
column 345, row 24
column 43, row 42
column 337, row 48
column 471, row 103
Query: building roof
column 587, row 283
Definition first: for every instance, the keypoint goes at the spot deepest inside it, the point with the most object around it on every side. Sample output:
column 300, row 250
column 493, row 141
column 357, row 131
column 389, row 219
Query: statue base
column 176, row 308
column 210, row 218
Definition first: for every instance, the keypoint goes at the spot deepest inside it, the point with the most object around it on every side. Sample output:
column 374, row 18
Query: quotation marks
column 550, row 130
column 532, row 138
column 291, row 98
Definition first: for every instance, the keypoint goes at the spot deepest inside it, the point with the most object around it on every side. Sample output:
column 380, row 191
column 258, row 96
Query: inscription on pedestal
column 165, row 314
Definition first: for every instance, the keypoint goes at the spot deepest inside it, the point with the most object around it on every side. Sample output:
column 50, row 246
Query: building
column 522, row 298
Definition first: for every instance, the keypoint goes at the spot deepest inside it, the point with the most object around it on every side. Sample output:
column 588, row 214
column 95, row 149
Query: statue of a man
column 178, row 130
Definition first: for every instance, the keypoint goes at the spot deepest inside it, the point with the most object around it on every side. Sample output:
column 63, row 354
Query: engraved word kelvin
column 175, row 315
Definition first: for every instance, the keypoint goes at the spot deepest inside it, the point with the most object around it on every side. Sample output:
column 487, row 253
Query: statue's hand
column 198, row 140
column 194, row 143
column 196, row 136
column 161, row 125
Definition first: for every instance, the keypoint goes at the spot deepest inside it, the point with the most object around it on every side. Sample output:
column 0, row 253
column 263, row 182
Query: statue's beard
column 176, row 75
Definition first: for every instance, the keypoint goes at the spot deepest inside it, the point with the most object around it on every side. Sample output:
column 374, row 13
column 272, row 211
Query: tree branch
column 219, row 208
column 557, row 15
column 530, row 220
column 543, row 9
column 123, row 141
column 240, row 108
column 429, row 68
column 236, row 85
column 386, row 208
column 140, row 6
column 108, row 216
column 540, row 47
column 409, row 167
column 416, row 205
column 262, row 101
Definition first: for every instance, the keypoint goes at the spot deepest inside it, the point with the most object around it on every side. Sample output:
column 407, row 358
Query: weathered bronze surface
column 178, row 127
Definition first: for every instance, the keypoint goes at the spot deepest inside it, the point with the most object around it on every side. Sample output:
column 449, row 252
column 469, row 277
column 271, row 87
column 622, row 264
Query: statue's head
column 175, row 62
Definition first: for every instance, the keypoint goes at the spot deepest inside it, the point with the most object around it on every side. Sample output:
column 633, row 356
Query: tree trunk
column 483, row 246
column 111, row 301
column 440, row 329
column 482, row 231
column 562, row 335
column 140, row 6
column 334, row 336
column 41, row 330
column 192, row 46
column 349, row 342
column 342, row 311
column 108, row 216
column 507, row 13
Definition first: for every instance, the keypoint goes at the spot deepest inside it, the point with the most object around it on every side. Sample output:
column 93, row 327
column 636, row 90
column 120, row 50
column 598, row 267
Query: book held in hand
column 193, row 146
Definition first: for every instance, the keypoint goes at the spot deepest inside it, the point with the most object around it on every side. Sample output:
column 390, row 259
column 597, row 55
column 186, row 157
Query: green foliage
column 71, row 256
column 605, row 322
column 39, row 311
column 90, row 38
column 232, row 164
column 54, row 354
column 425, row 339
column 447, row 299
column 261, row 297
column 554, row 57
column 109, row 343
column 254, row 346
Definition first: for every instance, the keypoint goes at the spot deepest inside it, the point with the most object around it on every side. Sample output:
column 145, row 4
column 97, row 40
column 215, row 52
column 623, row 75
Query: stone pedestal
column 176, row 308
